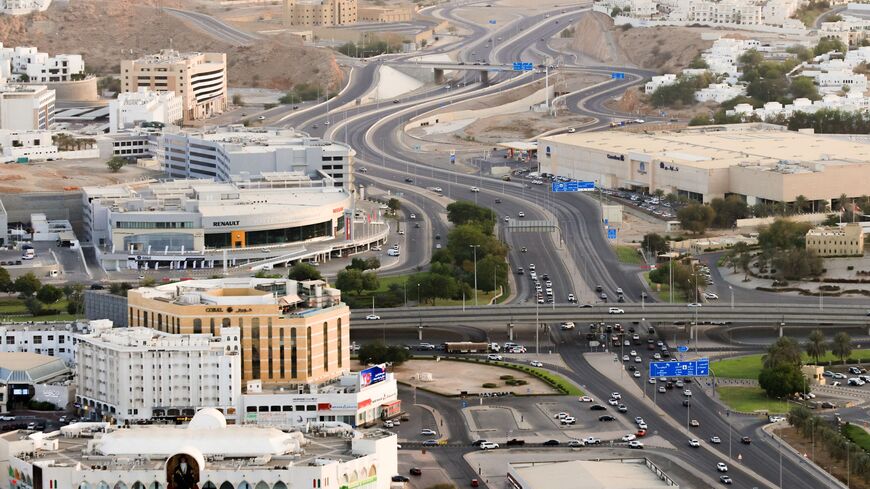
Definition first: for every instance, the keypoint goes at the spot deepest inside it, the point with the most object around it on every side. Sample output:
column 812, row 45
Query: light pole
column 475, row 247
column 731, row 289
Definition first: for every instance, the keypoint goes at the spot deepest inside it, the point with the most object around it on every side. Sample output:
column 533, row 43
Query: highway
column 216, row 28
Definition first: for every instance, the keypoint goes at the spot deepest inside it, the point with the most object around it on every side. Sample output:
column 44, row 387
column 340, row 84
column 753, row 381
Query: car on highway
column 725, row 479
column 687, row 393
column 615, row 310
column 585, row 399
column 400, row 478
column 615, row 395
column 694, row 443
column 372, row 317
column 637, row 373
column 521, row 214
column 710, row 296
column 494, row 356
column 416, row 471
column 715, row 440
column 613, row 402
column 721, row 467
column 427, row 432
column 551, row 443
column 746, row 440
column 536, row 363
column 598, row 407
column 566, row 325
column 642, row 425
column 635, row 444
column 694, row 423
column 475, row 189
column 694, row 304
column 662, row 389
column 430, row 443
column 488, row 445
column 622, row 408
column 576, row 443
column 629, row 437
column 606, row 417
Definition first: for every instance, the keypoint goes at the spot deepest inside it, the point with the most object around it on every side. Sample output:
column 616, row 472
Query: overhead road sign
column 492, row 21
column 617, row 75
column 611, row 233
column 682, row 348
column 520, row 66
column 531, row 226
column 694, row 368
column 572, row 186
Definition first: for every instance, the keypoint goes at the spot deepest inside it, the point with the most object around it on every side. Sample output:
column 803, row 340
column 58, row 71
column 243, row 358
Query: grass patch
column 749, row 366
column 663, row 291
column 555, row 380
column 750, row 399
column 628, row 255
column 858, row 435
column 13, row 309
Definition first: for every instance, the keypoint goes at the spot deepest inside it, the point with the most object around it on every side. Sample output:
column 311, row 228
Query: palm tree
column 842, row 346
column 816, row 345
column 785, row 351
column 800, row 204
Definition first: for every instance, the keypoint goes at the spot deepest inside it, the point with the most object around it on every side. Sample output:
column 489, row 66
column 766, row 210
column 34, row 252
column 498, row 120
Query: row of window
column 154, row 225
column 37, row 339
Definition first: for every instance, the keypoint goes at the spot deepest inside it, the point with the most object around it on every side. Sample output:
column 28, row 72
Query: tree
column 115, row 163
column 782, row 380
column 350, row 280
column 827, row 45
column 381, row 353
column 237, row 100
column 696, row 218
column 34, row 307
column 370, row 281
column 796, row 264
column 785, row 351
column 701, row 120
column 6, row 284
column 464, row 212
column 491, row 267
column 75, row 298
column 27, row 284
column 816, row 346
column 803, row 87
column 49, row 294
column 304, row 271
column 800, row 204
column 394, row 205
column 655, row 244
column 373, row 263
column 841, row 346
column 783, row 235
column 728, row 211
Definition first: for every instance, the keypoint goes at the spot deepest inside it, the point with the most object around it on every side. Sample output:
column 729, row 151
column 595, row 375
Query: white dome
column 208, row 419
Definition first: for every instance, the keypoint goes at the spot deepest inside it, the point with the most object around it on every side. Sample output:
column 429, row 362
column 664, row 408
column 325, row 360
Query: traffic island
column 453, row 378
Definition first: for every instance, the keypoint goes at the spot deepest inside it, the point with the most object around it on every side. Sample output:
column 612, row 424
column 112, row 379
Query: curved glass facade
column 273, row 236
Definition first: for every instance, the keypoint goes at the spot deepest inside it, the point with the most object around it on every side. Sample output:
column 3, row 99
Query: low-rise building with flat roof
column 638, row 473
column 30, row 376
column 846, row 240
column 759, row 162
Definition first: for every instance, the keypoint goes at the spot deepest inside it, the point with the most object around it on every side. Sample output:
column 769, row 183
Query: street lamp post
column 475, row 247
column 731, row 289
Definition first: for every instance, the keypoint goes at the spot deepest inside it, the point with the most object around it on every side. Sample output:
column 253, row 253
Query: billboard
column 372, row 375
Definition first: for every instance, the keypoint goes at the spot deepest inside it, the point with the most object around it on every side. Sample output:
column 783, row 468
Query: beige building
column 320, row 12
column 847, row 240
column 386, row 14
column 26, row 107
column 200, row 79
column 291, row 333
column 759, row 162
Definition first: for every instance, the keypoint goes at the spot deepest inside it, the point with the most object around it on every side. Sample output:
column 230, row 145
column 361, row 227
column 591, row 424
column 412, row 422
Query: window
column 255, row 347
column 271, row 360
column 308, row 364
column 339, row 346
column 325, row 346
column 294, row 358
column 37, row 340
column 197, row 326
column 211, row 326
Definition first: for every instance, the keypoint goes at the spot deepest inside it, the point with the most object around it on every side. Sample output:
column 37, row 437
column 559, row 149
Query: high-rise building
column 26, row 107
column 200, row 79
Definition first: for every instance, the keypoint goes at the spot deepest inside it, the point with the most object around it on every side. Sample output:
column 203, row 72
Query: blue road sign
column 694, row 368
column 452, row 158
column 464, row 404
column 572, row 186
column 611, row 233
column 520, row 66
column 492, row 21
column 682, row 348
column 617, row 75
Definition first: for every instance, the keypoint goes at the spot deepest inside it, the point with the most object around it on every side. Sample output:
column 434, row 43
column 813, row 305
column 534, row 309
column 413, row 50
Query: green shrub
column 489, row 385
column 506, row 377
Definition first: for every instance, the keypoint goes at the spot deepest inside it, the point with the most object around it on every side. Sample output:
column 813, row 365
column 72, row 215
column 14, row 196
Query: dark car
column 97, row 287
column 598, row 288
column 400, row 478
column 597, row 407
column 828, row 405
column 551, row 443
column 416, row 471
column 476, row 443
column 606, row 417
column 409, row 180
column 515, row 442
column 430, row 443
column 686, row 402
column 498, row 201
column 746, row 440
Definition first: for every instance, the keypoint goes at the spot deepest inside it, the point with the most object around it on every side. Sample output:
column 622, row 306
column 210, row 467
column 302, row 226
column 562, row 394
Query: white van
column 29, row 254
column 393, row 252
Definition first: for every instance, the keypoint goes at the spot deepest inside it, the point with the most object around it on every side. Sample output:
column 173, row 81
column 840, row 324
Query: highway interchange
column 577, row 258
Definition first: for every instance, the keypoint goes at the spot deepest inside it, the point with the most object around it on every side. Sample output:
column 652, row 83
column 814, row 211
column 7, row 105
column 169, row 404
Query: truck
column 466, row 347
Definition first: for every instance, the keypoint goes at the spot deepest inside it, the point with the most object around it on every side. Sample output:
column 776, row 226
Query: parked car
column 416, row 471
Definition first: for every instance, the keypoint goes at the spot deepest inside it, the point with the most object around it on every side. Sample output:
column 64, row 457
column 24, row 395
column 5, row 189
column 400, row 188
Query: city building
column 659, row 81
column 131, row 109
column 29, row 376
column 206, row 453
column 320, row 12
column 776, row 13
column 49, row 339
column 638, row 473
column 386, row 14
column 200, row 79
column 291, row 333
column 237, row 151
column 719, row 92
column 26, row 107
column 27, row 145
column 758, row 162
column 174, row 223
column 136, row 373
column 37, row 67
column 23, row 7
column 845, row 240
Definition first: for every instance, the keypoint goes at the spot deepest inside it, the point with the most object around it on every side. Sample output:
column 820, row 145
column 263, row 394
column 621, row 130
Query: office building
column 758, row 162
column 200, row 79
column 238, row 152
column 23, row 146
column 131, row 109
column 49, row 339
column 320, row 13
column 26, row 107
column 137, row 373
column 207, row 453
column 845, row 240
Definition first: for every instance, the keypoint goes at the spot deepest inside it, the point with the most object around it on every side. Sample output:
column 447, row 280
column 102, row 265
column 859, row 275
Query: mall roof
column 769, row 147
column 584, row 474
column 30, row 368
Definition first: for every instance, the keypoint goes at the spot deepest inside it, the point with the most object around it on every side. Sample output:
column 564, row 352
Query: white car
column 568, row 420
column 635, row 444
column 638, row 420
column 641, row 425
column 561, row 415
column 652, row 380
column 715, row 440
column 615, row 395
column 613, row 402
column 687, row 393
column 493, row 356
column 488, row 445
column 693, row 304
column 629, row 437
column 372, row 317
column 585, row 399
column 427, row 432
column 711, row 296
column 413, row 216
column 475, row 189
column 615, row 310
column 536, row 363
column 638, row 360
column 567, row 325
column 576, row 443
column 694, row 443
column 625, row 358
column 721, row 467
column 521, row 214
column 637, row 374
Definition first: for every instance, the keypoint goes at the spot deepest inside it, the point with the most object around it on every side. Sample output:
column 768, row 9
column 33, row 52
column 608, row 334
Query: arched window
column 84, row 485
column 227, row 485
column 137, row 485
column 155, row 485
column 208, row 485
column 102, row 485
column 197, row 326
column 244, row 485
column 262, row 485
column 279, row 485
column 120, row 485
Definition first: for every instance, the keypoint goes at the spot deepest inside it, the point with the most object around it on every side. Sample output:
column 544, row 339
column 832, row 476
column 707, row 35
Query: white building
column 207, row 453
column 131, row 109
column 659, row 81
column 239, row 151
column 23, row 7
column 51, row 339
column 141, row 373
column 719, row 92
column 775, row 13
column 40, row 67
column 835, row 81
column 32, row 145
column 29, row 376
column 26, row 107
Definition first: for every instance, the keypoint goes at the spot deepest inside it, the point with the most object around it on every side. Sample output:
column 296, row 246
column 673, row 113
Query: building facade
column 320, row 12
column 131, row 109
column 31, row 145
column 291, row 333
column 23, row 7
column 236, row 151
column 200, row 79
column 207, row 453
column 138, row 373
column 50, row 339
column 26, row 107
column 846, row 240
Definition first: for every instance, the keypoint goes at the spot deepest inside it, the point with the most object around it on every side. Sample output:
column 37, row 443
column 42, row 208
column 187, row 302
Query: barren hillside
column 104, row 31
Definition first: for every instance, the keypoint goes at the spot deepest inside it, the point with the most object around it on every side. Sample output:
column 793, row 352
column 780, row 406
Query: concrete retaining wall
column 102, row 305
column 74, row 91
column 764, row 221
